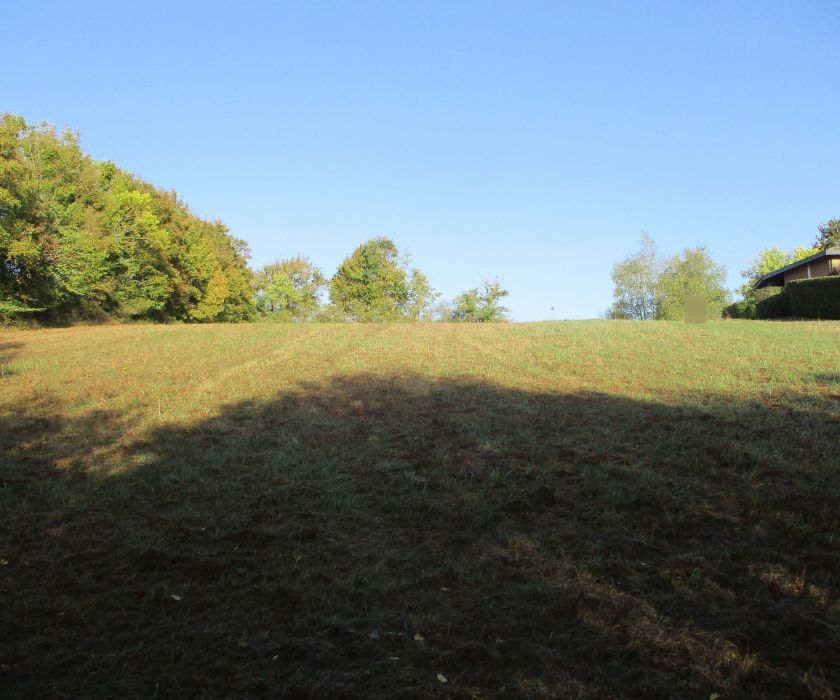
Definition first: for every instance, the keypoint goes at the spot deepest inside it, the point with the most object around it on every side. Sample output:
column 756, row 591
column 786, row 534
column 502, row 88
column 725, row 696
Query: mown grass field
column 563, row 510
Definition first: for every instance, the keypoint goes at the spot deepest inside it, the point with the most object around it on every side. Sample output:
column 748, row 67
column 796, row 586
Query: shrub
column 740, row 309
column 746, row 308
column 815, row 298
column 771, row 302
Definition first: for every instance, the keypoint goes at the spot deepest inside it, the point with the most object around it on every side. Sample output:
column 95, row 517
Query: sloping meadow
column 576, row 509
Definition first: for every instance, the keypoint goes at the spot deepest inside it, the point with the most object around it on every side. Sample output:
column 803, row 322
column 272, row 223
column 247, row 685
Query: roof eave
column 764, row 279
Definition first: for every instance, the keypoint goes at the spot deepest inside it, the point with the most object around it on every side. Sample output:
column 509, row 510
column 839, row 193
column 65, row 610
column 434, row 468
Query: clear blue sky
column 534, row 141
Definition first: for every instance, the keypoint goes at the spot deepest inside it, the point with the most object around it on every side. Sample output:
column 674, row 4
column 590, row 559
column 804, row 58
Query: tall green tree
column 143, row 275
column 829, row 235
column 81, row 238
column 480, row 304
column 691, row 273
column 421, row 297
column 19, row 223
column 635, row 279
column 373, row 284
column 287, row 290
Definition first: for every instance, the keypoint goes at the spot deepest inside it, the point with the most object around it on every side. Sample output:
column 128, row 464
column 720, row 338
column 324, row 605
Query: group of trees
column 648, row 287
column 375, row 283
column 81, row 239
column 85, row 239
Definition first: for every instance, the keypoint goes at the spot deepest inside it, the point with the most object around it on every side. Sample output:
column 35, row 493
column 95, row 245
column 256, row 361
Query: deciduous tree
column 421, row 297
column 829, row 235
column 691, row 273
column 480, row 305
column 634, row 280
column 79, row 237
column 287, row 290
column 373, row 284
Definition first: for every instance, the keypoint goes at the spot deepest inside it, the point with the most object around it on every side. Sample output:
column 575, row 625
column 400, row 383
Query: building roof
column 768, row 279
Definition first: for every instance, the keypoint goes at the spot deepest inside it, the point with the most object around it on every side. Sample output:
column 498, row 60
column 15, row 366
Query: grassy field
column 556, row 510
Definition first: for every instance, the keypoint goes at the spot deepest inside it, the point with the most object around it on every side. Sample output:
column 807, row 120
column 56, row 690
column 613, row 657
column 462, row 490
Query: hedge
column 771, row 302
column 815, row 298
column 740, row 309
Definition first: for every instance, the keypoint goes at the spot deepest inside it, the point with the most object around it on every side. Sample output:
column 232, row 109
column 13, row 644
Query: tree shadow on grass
column 381, row 536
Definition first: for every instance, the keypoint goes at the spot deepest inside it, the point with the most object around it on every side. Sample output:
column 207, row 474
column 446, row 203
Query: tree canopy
column 80, row 238
column 691, row 273
column 480, row 304
column 375, row 284
column 768, row 260
column 646, row 287
column 287, row 290
column 634, row 280
column 829, row 235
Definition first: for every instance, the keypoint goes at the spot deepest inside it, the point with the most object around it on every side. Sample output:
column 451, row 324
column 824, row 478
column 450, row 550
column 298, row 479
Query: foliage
column 646, row 288
column 82, row 238
column 815, row 298
column 769, row 260
column 691, row 273
column 770, row 302
column 739, row 309
column 635, row 280
column 480, row 305
column 440, row 311
column 370, row 285
column 422, row 297
column 829, row 235
column 373, row 284
column 10, row 308
column 288, row 290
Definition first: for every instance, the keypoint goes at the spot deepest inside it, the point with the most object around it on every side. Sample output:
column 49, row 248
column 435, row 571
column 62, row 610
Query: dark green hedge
column 815, row 298
column 740, row 309
column 746, row 308
column 771, row 302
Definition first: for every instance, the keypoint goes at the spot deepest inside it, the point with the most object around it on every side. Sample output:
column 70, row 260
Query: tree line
column 85, row 240
column 646, row 286
column 374, row 283
column 81, row 239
